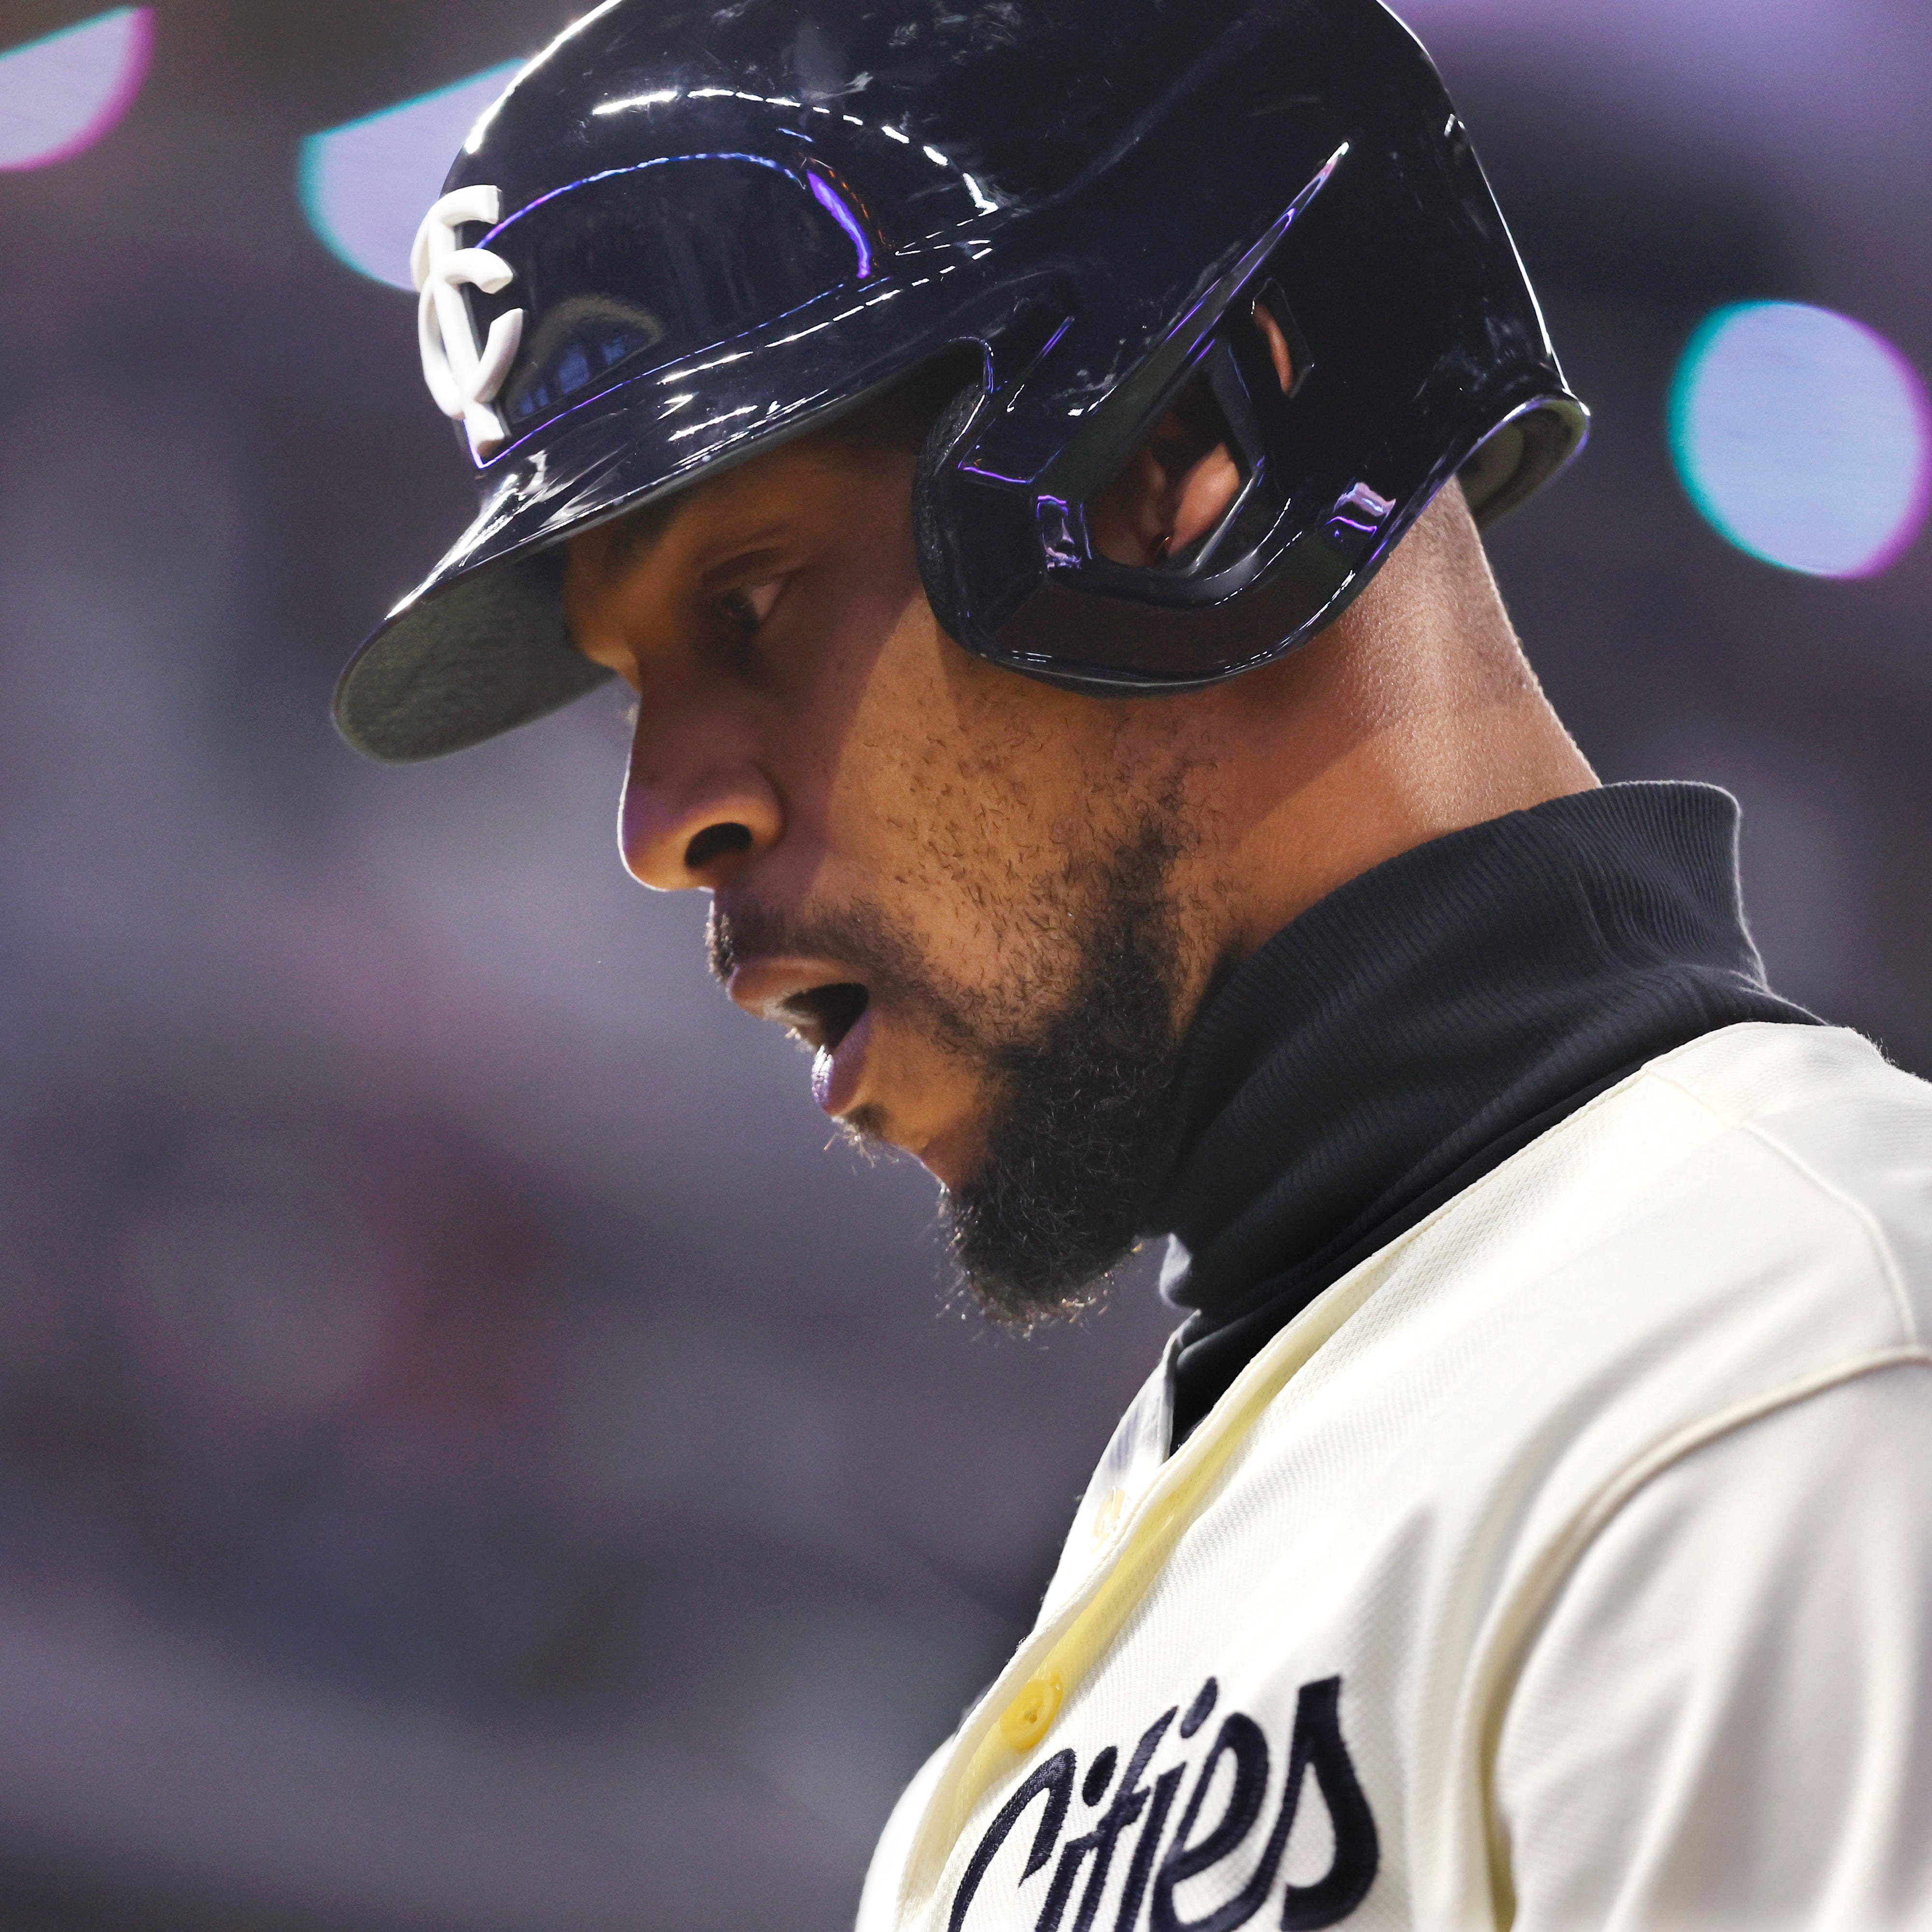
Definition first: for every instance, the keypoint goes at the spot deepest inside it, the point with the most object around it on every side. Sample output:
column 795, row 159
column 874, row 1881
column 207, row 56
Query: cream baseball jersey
column 1564, row 1564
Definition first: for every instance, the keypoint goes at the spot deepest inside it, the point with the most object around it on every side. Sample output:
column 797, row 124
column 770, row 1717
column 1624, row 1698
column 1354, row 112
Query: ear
column 1178, row 486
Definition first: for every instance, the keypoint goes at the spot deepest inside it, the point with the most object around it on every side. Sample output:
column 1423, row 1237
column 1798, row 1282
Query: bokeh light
column 1804, row 437
column 367, row 185
column 60, row 94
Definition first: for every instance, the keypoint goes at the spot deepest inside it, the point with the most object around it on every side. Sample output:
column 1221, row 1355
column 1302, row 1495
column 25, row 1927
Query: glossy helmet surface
column 684, row 233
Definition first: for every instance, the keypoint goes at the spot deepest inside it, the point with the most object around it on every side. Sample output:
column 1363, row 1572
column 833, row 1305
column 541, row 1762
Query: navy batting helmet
column 684, row 233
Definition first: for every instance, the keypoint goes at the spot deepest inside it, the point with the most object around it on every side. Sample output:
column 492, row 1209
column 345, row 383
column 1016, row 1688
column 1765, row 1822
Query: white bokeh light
column 1803, row 436
column 366, row 186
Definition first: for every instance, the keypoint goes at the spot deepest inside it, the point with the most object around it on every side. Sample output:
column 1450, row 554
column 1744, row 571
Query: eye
column 748, row 606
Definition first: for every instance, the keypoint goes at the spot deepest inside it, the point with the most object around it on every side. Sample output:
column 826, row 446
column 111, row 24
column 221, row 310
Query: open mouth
column 823, row 1015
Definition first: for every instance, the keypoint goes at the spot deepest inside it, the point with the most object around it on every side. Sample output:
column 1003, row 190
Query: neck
column 1413, row 1029
column 1414, row 716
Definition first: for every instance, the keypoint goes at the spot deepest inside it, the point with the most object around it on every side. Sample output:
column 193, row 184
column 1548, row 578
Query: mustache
column 883, row 958
column 859, row 937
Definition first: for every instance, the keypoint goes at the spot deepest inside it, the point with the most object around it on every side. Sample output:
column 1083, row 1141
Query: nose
column 694, row 815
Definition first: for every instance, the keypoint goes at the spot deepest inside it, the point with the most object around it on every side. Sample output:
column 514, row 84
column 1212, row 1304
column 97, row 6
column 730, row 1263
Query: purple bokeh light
column 364, row 186
column 59, row 95
column 1805, row 437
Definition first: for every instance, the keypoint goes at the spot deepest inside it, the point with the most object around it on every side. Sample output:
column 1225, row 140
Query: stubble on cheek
column 947, row 799
column 1055, row 881
column 973, row 830
column 995, row 805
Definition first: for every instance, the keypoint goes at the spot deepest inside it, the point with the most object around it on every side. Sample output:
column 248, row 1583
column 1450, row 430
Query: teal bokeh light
column 1803, row 436
column 366, row 186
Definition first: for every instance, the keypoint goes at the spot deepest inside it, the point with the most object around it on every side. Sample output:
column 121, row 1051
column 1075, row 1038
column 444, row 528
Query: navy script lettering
column 1159, row 1868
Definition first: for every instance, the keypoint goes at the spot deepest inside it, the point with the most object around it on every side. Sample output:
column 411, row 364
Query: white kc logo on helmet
column 463, row 376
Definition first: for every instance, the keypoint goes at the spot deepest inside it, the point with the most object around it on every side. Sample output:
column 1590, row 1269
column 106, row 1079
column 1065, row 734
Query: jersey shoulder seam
column 1509, row 1647
column 1884, row 1257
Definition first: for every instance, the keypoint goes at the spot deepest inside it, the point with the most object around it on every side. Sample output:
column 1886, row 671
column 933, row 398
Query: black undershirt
column 1411, row 1030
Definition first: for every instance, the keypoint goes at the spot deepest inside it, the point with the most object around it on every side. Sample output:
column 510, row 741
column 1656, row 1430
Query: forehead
column 874, row 443
column 801, row 495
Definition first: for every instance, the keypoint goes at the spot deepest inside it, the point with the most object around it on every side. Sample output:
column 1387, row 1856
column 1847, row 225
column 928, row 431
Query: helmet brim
column 480, row 646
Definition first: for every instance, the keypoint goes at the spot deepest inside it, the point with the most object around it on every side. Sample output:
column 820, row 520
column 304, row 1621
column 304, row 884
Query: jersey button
column 1024, row 1721
column 1107, row 1517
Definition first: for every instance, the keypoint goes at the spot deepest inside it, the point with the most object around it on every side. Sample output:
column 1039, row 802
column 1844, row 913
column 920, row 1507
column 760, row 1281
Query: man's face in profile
column 967, row 892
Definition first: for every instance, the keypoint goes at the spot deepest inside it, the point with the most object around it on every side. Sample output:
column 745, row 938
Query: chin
column 871, row 1127
column 952, row 1157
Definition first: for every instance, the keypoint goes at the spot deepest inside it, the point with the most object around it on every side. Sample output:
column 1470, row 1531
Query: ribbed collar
column 1414, row 1028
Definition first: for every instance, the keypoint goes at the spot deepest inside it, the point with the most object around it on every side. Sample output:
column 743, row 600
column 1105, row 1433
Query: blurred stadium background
column 469, row 1458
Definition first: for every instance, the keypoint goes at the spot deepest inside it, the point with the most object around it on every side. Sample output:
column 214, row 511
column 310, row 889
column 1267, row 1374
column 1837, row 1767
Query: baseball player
column 1028, row 461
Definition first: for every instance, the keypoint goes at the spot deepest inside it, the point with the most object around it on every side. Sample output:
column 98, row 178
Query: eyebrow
column 758, row 547
column 639, row 530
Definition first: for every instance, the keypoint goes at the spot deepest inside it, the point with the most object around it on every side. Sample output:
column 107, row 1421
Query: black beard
column 1084, row 1132
column 1083, row 1128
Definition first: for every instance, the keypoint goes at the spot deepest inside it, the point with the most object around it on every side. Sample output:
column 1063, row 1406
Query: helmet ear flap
column 935, row 538
column 1516, row 459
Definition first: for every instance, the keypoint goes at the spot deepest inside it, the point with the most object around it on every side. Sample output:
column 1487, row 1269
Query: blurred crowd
column 469, row 1456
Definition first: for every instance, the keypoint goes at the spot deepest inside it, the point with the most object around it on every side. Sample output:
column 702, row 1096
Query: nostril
column 715, row 842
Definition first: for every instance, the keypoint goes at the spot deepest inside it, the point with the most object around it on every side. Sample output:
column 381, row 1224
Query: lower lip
column 836, row 1071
